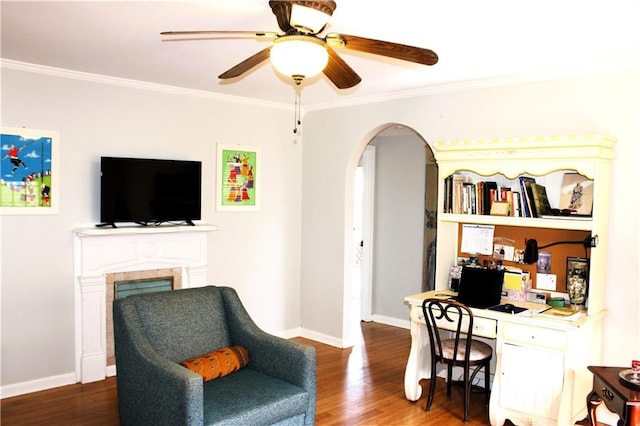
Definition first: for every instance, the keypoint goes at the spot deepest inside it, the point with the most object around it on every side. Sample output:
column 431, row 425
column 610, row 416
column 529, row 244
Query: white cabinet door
column 531, row 380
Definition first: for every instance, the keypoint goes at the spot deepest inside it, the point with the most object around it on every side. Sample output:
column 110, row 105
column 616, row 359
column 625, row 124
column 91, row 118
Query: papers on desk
column 563, row 313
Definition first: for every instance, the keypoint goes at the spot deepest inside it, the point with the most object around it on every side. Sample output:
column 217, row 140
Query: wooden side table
column 620, row 398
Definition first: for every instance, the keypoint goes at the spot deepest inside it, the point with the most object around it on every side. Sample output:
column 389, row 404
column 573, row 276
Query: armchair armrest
column 151, row 388
column 291, row 361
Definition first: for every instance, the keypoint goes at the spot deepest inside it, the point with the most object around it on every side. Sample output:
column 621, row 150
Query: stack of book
column 463, row 196
column 535, row 201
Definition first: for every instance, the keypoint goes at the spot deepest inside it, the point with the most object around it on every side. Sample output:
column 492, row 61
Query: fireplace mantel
column 141, row 230
column 100, row 251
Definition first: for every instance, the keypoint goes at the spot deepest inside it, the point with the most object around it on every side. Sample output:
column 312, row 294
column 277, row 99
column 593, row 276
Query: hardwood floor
column 357, row 386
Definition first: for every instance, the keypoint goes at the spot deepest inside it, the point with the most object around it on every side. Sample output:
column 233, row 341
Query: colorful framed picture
column 238, row 178
column 29, row 171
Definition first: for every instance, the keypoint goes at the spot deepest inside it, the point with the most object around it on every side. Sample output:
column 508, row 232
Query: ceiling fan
column 300, row 52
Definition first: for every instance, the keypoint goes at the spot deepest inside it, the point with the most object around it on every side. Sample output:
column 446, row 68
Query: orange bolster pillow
column 218, row 363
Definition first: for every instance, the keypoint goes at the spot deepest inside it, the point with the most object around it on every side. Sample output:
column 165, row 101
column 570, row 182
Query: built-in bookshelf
column 551, row 163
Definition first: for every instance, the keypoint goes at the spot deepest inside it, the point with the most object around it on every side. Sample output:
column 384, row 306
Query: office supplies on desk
column 508, row 308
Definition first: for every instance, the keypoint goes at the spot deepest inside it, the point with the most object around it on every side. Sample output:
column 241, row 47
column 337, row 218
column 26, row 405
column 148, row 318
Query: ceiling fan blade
column 384, row 48
column 222, row 33
column 247, row 64
column 339, row 72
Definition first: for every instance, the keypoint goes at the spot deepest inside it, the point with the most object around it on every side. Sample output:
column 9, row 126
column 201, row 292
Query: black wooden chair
column 457, row 350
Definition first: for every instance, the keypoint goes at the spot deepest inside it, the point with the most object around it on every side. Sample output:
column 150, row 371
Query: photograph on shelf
column 544, row 262
column 576, row 196
column 238, row 182
column 500, row 208
column 28, row 171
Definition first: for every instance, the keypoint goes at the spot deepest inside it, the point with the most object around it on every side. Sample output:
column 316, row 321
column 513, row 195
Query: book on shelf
column 469, row 198
column 459, row 194
column 527, row 196
column 480, row 196
column 516, row 207
column 447, row 194
column 540, row 200
column 489, row 195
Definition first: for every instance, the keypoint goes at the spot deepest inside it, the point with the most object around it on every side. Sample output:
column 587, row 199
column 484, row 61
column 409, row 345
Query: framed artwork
column 238, row 178
column 577, row 194
column 29, row 171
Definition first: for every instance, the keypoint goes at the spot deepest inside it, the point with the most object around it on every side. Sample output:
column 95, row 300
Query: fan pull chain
column 296, row 119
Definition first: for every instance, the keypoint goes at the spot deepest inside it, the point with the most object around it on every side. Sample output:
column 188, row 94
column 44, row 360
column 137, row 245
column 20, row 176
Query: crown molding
column 135, row 84
column 438, row 88
column 464, row 85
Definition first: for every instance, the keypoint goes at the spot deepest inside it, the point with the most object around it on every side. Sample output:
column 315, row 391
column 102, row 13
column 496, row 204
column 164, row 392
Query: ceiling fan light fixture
column 299, row 56
column 307, row 19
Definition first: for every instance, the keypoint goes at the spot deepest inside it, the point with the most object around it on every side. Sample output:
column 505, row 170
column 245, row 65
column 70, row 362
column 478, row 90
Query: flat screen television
column 149, row 191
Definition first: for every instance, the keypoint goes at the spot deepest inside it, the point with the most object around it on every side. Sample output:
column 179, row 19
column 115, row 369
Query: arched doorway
column 395, row 234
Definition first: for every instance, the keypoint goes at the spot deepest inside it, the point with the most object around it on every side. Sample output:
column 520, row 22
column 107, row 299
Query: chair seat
column 250, row 397
column 479, row 350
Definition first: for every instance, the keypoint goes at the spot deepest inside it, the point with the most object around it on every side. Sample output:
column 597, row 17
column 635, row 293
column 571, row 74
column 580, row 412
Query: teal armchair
column 154, row 332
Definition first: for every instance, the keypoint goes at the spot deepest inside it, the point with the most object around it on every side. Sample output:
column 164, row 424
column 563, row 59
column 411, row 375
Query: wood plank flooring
column 357, row 386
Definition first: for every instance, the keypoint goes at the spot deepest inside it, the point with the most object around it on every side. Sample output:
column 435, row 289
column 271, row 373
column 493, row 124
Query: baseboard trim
column 7, row 391
column 395, row 322
column 288, row 334
column 322, row 338
column 45, row 383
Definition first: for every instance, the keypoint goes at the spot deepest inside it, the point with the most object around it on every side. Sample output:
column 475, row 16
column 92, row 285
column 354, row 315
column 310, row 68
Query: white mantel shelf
column 139, row 229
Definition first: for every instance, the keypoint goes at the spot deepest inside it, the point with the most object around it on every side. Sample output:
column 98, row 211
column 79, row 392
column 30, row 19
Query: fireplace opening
column 149, row 285
column 123, row 284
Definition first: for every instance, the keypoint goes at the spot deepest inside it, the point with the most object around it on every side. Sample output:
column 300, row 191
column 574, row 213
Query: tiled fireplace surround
column 103, row 256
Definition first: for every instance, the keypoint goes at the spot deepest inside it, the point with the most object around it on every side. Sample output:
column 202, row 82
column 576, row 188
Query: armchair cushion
column 247, row 395
column 218, row 363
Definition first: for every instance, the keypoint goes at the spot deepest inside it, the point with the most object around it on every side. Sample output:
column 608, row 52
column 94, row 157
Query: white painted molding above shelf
column 537, row 155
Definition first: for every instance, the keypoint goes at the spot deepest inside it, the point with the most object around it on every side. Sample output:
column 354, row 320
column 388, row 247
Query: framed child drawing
column 238, row 185
column 29, row 171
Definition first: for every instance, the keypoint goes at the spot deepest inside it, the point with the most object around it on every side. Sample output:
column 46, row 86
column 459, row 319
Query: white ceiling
column 475, row 40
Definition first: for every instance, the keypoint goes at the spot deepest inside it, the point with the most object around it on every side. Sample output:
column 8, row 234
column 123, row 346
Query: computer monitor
column 480, row 287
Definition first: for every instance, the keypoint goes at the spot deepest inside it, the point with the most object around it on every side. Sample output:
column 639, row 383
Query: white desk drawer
column 535, row 336
column 484, row 327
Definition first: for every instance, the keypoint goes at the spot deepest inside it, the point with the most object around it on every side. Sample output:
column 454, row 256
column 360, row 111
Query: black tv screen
column 149, row 191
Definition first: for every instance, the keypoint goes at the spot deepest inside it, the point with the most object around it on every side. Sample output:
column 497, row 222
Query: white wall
column 307, row 192
column 605, row 103
column 398, row 224
column 255, row 252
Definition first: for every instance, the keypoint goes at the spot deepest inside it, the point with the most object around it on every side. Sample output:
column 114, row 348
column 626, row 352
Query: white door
column 363, row 236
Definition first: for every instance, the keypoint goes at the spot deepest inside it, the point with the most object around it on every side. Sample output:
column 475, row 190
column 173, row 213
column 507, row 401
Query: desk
column 621, row 399
column 541, row 373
